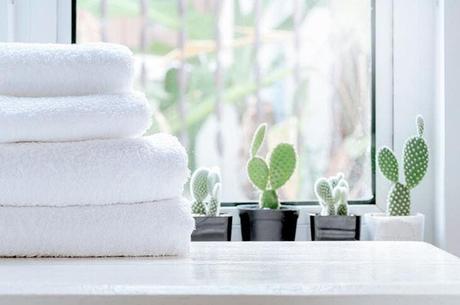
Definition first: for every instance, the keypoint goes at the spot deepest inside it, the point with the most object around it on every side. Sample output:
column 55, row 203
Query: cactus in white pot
column 399, row 223
column 415, row 165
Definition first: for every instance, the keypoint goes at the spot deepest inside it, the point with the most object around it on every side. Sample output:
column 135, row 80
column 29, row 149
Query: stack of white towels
column 76, row 177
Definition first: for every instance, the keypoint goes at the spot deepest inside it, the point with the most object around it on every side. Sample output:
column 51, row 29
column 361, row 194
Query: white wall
column 414, row 88
column 447, row 106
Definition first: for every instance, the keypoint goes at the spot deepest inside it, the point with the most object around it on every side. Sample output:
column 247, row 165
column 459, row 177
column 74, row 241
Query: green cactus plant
column 271, row 174
column 213, row 207
column 415, row 165
column 332, row 194
column 206, row 183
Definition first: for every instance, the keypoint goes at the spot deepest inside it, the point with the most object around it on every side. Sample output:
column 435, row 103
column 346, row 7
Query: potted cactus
column 210, row 225
column 269, row 221
column 399, row 223
column 334, row 221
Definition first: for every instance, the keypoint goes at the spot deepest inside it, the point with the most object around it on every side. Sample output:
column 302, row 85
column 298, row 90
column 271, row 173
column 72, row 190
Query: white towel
column 73, row 117
column 92, row 172
column 152, row 228
column 64, row 69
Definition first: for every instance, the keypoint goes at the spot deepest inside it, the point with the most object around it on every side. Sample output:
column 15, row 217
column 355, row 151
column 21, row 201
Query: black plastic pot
column 266, row 224
column 212, row 228
column 335, row 227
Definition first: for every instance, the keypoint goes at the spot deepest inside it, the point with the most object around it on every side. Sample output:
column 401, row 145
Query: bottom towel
column 143, row 229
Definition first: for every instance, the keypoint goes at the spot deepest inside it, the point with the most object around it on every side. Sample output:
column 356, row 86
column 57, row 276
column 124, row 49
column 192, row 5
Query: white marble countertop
column 313, row 273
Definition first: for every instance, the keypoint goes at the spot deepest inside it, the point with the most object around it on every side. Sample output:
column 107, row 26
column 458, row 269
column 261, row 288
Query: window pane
column 213, row 70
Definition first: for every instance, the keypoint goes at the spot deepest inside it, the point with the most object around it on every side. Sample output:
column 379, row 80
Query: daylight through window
column 213, row 70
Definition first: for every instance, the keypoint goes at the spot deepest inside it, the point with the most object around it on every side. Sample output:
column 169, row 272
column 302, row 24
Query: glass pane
column 213, row 70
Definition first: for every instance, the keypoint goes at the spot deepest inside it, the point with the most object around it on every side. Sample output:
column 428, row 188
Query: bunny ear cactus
column 199, row 190
column 341, row 197
column 205, row 183
column 214, row 201
column 332, row 194
column 324, row 192
column 269, row 176
column 415, row 165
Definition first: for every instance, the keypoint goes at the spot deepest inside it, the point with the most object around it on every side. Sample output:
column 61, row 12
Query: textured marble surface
column 370, row 273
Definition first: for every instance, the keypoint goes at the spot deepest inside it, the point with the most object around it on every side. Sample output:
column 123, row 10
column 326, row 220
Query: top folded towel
column 64, row 69
column 73, row 118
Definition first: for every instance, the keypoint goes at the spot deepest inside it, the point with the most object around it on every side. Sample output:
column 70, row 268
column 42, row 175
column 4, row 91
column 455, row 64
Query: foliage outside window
column 213, row 70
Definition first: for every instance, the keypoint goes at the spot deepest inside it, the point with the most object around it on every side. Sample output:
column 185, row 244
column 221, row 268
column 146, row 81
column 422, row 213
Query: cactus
column 415, row 165
column 341, row 196
column 205, row 183
column 269, row 176
column 213, row 207
column 332, row 194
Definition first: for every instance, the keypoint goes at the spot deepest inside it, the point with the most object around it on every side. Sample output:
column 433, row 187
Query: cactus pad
column 214, row 202
column 388, row 164
column 420, row 125
column 341, row 197
column 198, row 208
column 213, row 179
column 323, row 191
column 342, row 210
column 258, row 139
column 415, row 161
column 199, row 184
column 269, row 199
column 399, row 200
column 282, row 165
column 258, row 172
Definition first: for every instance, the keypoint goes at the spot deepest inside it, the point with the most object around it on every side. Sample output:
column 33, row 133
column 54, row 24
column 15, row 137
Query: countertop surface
column 244, row 273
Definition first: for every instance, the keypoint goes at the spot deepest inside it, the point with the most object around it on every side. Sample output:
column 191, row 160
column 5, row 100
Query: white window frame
column 36, row 21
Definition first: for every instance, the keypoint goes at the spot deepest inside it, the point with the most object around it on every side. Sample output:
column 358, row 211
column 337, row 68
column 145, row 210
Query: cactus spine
column 332, row 194
column 271, row 174
column 415, row 165
column 206, row 183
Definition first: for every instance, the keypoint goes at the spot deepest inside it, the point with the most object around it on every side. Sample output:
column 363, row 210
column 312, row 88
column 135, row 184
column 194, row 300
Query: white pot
column 380, row 226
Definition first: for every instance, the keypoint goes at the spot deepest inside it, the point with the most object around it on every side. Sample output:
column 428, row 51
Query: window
column 213, row 70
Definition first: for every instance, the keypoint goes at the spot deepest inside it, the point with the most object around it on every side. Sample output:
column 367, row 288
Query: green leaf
column 388, row 164
column 258, row 172
column 282, row 164
column 415, row 161
column 258, row 139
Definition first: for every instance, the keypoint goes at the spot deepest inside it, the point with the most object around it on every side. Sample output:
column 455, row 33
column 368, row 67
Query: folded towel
column 73, row 117
column 64, row 69
column 143, row 229
column 92, row 172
